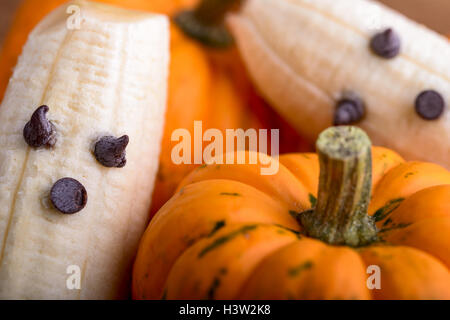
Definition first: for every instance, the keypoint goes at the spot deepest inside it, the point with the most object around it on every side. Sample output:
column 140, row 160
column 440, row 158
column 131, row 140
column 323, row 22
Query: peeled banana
column 99, row 77
column 308, row 56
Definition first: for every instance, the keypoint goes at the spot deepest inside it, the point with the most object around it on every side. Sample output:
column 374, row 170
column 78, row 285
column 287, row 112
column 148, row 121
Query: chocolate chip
column 430, row 105
column 68, row 196
column 386, row 44
column 39, row 132
column 350, row 109
column 110, row 151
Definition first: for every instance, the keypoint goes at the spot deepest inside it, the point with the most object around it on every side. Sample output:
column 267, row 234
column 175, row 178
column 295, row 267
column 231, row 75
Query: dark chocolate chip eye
column 349, row 109
column 429, row 105
column 39, row 132
column 110, row 151
column 386, row 44
column 68, row 196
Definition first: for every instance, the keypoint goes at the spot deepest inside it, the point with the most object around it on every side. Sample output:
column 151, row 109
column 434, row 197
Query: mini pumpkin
column 232, row 233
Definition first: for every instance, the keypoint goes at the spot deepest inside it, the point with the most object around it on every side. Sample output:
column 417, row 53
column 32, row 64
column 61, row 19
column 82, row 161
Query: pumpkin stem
column 340, row 216
column 206, row 22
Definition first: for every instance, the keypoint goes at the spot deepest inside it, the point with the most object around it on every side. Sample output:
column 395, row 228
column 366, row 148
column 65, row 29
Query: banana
column 105, row 77
column 307, row 56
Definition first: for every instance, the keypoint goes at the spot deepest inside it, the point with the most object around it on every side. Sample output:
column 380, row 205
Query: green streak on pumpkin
column 294, row 214
column 387, row 222
column 297, row 233
column 224, row 239
column 216, row 284
column 219, row 225
column 213, row 288
column 293, row 272
column 312, row 200
column 409, row 174
column 388, row 208
column 396, row 226
column 231, row 194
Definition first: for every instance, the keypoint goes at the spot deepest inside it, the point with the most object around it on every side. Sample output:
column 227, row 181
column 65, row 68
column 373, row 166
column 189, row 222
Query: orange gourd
column 207, row 85
column 232, row 233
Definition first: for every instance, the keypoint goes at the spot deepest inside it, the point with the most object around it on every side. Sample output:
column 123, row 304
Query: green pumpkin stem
column 205, row 23
column 340, row 216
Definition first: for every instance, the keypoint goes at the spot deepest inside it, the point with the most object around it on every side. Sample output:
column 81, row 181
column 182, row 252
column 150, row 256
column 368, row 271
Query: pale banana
column 305, row 54
column 104, row 74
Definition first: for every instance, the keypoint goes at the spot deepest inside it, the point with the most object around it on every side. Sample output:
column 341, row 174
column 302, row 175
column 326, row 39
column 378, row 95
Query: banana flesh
column 304, row 54
column 109, row 77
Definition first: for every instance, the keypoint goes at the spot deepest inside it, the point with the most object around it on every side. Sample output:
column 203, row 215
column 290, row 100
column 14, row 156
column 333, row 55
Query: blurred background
column 434, row 13
column 7, row 8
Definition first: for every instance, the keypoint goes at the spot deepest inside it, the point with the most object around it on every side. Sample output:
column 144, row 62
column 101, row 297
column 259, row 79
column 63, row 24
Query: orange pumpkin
column 208, row 85
column 232, row 233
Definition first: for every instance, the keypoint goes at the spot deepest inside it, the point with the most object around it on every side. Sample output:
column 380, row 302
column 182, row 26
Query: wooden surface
column 7, row 8
column 434, row 13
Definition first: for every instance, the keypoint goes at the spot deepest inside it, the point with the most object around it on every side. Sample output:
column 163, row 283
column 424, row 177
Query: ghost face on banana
column 325, row 62
column 81, row 124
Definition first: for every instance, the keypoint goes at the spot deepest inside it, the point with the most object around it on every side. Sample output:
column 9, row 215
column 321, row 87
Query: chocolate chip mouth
column 429, row 105
column 68, row 196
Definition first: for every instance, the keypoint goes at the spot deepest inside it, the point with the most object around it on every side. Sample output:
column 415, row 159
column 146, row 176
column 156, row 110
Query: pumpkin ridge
column 295, row 192
column 395, row 185
column 427, row 277
column 222, row 240
column 173, row 215
column 208, row 270
column 421, row 235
